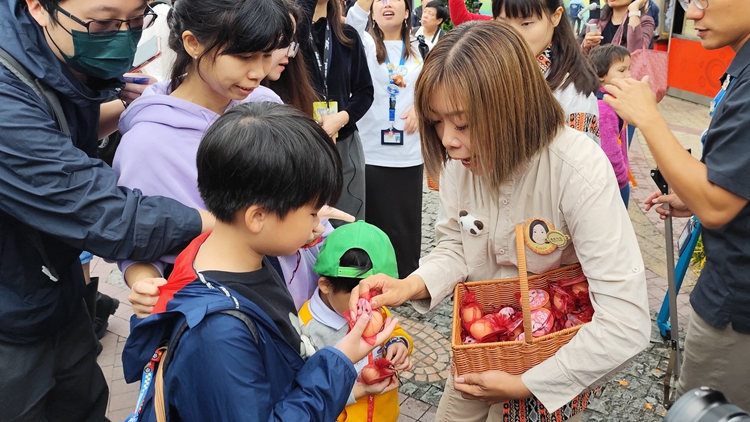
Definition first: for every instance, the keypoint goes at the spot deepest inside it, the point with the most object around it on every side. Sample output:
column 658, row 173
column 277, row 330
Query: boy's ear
column 255, row 218
column 324, row 285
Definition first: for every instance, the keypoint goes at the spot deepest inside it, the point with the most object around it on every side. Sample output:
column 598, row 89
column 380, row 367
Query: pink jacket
column 609, row 131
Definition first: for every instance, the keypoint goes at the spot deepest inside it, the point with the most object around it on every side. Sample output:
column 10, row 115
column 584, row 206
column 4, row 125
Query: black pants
column 56, row 379
column 394, row 204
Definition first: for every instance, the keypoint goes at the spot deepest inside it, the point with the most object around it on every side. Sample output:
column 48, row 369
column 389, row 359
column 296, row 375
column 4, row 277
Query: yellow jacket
column 386, row 405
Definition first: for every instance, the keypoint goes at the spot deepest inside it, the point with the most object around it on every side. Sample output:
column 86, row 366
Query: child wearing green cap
column 350, row 253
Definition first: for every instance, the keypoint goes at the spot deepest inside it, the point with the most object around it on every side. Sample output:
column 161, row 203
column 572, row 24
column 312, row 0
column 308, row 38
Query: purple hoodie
column 157, row 154
column 160, row 140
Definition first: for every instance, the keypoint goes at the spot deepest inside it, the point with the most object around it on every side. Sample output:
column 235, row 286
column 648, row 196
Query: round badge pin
column 402, row 70
column 393, row 89
column 536, row 231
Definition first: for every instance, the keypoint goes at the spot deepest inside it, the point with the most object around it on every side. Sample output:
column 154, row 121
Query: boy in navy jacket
column 264, row 171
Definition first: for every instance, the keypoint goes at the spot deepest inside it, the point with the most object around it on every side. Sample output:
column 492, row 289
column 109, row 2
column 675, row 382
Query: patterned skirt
column 531, row 410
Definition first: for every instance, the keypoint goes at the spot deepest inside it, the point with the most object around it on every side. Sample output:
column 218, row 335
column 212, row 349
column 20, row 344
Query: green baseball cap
column 357, row 235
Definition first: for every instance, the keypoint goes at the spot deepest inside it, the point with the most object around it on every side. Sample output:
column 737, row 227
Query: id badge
column 325, row 108
column 391, row 137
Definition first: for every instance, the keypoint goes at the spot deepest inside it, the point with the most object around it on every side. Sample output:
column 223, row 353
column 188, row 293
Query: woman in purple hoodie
column 223, row 53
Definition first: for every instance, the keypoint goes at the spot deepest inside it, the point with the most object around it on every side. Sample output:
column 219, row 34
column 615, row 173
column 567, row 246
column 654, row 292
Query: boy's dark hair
column 227, row 27
column 569, row 65
column 441, row 12
column 353, row 258
column 270, row 155
column 603, row 56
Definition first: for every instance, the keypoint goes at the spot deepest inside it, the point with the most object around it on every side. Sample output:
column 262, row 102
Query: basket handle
column 523, row 278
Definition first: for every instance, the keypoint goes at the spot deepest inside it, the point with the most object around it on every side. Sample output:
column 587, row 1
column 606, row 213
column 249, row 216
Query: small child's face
column 619, row 69
column 339, row 301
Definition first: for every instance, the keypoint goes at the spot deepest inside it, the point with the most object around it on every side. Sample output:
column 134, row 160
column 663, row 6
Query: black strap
column 40, row 88
column 45, row 94
column 422, row 46
column 184, row 327
column 435, row 35
column 325, row 62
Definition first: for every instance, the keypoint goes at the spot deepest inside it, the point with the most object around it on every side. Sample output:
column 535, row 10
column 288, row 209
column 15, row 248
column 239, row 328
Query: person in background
column 338, row 66
column 595, row 13
column 435, row 13
column 57, row 199
column 543, row 25
column 613, row 61
column 492, row 131
column 622, row 22
column 393, row 158
column 288, row 76
column 574, row 8
column 652, row 9
column 715, row 189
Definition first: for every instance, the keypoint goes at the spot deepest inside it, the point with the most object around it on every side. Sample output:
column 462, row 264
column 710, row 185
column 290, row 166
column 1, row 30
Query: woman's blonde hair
column 487, row 70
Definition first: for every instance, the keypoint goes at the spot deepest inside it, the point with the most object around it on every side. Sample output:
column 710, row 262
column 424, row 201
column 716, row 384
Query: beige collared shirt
column 571, row 185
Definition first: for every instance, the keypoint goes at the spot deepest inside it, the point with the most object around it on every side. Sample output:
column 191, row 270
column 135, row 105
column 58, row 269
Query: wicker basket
column 513, row 357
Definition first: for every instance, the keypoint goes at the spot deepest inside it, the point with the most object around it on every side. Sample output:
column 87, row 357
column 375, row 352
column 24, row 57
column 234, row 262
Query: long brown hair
column 333, row 15
column 487, row 70
column 377, row 35
column 293, row 86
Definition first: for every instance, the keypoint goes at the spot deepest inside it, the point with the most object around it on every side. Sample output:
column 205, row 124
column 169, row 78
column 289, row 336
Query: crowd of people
column 264, row 199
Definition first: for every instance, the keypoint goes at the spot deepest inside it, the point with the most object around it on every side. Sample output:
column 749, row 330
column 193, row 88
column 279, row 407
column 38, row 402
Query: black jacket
column 349, row 80
column 51, row 185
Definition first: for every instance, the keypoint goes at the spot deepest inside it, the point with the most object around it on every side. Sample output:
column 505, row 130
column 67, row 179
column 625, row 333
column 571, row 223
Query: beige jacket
column 570, row 184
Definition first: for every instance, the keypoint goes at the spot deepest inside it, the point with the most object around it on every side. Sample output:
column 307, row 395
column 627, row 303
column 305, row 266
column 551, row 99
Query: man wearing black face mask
column 56, row 199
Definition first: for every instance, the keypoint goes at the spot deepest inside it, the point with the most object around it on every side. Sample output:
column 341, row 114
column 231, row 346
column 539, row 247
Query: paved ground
column 634, row 394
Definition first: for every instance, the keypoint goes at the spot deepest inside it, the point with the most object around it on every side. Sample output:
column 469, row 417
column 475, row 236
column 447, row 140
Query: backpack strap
column 45, row 94
column 423, row 48
column 40, row 88
column 159, row 397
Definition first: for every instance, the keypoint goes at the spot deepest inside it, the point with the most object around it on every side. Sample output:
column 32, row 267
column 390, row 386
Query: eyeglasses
column 109, row 27
column 293, row 49
column 700, row 4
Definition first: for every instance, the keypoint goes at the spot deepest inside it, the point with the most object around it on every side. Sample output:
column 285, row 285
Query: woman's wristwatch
column 636, row 13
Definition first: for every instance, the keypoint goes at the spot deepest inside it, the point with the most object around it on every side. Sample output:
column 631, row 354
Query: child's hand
column 361, row 389
column 398, row 354
column 355, row 347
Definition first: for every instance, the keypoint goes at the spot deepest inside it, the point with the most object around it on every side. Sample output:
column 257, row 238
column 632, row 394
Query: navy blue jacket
column 50, row 182
column 219, row 371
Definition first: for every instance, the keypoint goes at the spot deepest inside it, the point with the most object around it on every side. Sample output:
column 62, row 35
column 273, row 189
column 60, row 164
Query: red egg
column 582, row 287
column 375, row 325
column 471, row 313
column 376, row 372
column 481, row 328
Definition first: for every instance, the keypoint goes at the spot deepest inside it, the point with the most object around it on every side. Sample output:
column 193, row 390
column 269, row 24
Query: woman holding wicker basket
column 519, row 190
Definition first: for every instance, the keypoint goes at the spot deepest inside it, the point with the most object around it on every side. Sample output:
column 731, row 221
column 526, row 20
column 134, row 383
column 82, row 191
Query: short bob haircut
column 604, row 56
column 487, row 71
column 270, row 155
